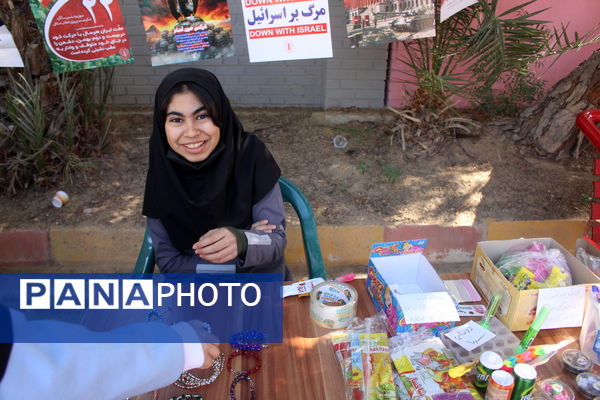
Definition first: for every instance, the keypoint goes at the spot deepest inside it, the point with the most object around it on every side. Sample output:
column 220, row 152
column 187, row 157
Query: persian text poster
column 180, row 31
column 82, row 34
column 9, row 54
column 287, row 29
column 372, row 23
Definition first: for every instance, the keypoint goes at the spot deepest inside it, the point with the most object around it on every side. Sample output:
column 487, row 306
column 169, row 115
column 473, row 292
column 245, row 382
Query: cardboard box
column 518, row 307
column 401, row 267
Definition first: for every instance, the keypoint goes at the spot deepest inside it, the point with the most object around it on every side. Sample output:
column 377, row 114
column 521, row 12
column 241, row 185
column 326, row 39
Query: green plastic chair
column 291, row 194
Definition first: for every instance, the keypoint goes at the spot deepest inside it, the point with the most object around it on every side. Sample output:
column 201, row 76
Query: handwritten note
column 470, row 335
column 421, row 308
column 566, row 306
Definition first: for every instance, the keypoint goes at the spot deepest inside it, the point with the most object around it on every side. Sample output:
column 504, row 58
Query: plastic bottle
column 589, row 337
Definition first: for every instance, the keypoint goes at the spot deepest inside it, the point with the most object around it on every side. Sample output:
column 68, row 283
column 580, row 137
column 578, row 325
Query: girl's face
column 191, row 133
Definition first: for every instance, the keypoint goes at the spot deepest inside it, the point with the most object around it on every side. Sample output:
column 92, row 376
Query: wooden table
column 304, row 366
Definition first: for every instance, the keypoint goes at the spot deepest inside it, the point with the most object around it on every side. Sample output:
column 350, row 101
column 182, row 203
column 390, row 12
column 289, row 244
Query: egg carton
column 504, row 343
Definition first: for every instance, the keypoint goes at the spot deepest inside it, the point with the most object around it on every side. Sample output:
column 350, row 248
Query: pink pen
column 346, row 278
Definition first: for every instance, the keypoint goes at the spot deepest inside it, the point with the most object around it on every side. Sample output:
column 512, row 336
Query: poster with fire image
column 179, row 31
column 82, row 34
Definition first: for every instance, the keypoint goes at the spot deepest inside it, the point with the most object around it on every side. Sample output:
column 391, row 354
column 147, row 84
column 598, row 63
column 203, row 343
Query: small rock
column 515, row 137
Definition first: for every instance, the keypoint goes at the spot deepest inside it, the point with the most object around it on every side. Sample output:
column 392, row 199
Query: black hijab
column 191, row 198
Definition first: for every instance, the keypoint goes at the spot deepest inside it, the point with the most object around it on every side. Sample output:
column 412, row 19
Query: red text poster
column 180, row 31
column 82, row 34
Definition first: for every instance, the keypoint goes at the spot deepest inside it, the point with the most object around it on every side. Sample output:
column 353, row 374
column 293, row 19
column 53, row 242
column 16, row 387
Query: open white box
column 408, row 274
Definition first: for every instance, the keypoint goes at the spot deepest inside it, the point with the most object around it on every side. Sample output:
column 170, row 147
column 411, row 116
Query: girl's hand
column 211, row 351
column 217, row 246
column 263, row 226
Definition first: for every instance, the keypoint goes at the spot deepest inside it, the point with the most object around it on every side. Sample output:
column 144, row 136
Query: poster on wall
column 9, row 54
column 179, row 31
column 373, row 23
column 82, row 34
column 278, row 30
column 450, row 7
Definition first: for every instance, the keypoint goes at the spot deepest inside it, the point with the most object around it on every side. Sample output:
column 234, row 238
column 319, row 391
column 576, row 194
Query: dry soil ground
column 370, row 181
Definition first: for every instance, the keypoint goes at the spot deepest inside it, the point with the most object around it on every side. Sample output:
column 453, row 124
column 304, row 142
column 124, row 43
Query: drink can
column 500, row 386
column 488, row 363
column 525, row 376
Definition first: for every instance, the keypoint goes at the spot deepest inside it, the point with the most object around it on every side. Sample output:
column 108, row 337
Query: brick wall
column 353, row 77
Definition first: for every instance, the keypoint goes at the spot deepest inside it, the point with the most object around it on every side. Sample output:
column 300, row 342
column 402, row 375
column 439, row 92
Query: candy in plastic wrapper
column 588, row 384
column 422, row 366
column 553, row 389
column 535, row 268
column 575, row 361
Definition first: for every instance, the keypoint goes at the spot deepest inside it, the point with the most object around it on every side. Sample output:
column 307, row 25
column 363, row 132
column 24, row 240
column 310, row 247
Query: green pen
column 533, row 330
column 491, row 310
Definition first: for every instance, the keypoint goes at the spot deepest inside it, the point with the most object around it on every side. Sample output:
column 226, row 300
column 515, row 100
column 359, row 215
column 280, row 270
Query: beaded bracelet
column 248, row 340
column 252, row 354
column 188, row 396
column 235, row 382
column 189, row 381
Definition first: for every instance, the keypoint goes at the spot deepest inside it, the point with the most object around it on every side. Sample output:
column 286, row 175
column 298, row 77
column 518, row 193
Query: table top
column 304, row 366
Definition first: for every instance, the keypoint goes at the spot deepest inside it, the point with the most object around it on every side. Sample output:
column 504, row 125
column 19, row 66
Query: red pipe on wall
column 586, row 121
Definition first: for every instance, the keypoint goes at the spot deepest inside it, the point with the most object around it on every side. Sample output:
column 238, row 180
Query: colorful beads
column 248, row 343
column 189, row 381
column 248, row 340
column 252, row 354
column 235, row 381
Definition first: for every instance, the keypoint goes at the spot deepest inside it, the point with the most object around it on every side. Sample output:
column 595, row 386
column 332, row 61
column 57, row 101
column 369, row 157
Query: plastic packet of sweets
column 357, row 380
column 379, row 381
column 341, row 347
column 423, row 365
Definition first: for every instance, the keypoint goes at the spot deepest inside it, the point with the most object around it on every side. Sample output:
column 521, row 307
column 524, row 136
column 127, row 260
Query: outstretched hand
column 217, row 246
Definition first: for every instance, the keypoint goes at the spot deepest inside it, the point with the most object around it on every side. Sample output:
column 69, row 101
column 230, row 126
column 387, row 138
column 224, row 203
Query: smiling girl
column 212, row 196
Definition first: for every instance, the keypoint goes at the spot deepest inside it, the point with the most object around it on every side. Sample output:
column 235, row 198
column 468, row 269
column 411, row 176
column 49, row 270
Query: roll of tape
column 333, row 304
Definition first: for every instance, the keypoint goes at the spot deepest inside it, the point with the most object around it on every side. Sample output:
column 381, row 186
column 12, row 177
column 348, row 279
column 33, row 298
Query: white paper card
column 566, row 306
column 421, row 308
column 470, row 335
column 287, row 30
column 450, row 7
column 301, row 287
column 470, row 310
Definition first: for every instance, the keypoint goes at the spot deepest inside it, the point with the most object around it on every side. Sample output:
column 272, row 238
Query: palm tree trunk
column 550, row 123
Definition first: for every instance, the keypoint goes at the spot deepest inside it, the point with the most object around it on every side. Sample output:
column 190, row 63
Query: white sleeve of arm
column 267, row 247
column 74, row 371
